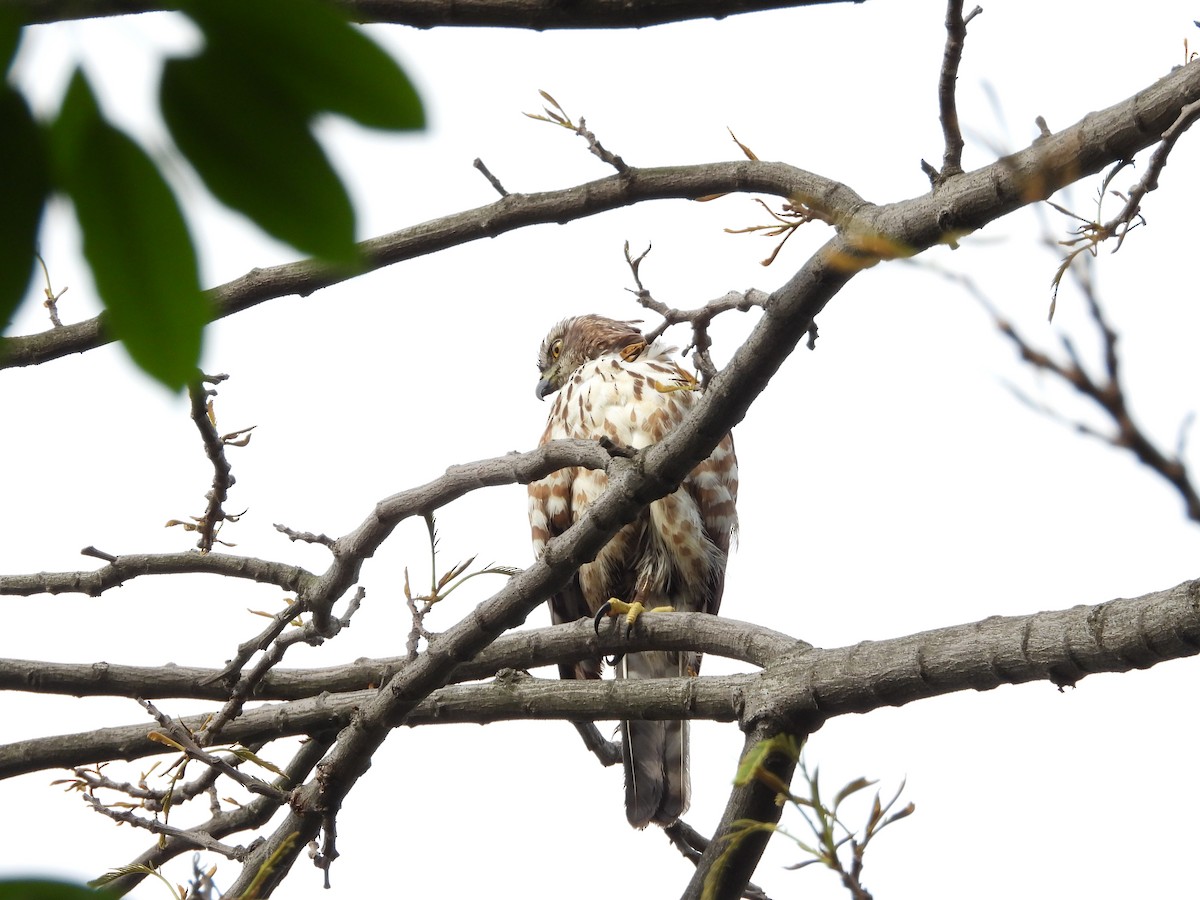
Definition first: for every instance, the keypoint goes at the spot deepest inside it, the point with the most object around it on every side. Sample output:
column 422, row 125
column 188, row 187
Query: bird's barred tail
column 655, row 754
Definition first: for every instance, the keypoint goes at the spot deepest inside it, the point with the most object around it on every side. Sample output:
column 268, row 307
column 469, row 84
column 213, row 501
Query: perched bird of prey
column 611, row 384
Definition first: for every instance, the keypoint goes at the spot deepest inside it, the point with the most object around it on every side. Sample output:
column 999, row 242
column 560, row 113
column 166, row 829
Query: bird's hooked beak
column 546, row 383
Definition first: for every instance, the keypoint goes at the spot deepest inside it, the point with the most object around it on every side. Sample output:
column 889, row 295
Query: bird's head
column 575, row 341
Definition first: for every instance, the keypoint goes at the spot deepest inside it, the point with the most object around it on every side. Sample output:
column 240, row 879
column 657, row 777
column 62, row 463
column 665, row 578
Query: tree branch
column 956, row 35
column 897, row 230
column 251, row 815
column 799, row 689
column 531, row 14
column 1107, row 392
column 128, row 566
column 510, row 213
column 526, row 649
column 1124, row 219
column 724, row 870
column 209, row 524
column 699, row 318
column 349, row 550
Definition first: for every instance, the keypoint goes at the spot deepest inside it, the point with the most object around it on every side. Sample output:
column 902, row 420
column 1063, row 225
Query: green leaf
column 37, row 889
column 132, row 869
column 134, row 238
column 307, row 51
column 755, row 760
column 24, row 183
column 10, row 37
column 852, row 788
column 256, row 154
column 242, row 112
column 245, row 753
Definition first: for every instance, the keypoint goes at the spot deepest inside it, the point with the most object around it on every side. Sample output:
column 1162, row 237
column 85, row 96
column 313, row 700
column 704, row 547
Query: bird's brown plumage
column 610, row 384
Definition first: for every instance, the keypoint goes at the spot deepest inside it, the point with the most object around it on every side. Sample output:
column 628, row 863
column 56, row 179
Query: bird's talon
column 613, row 607
column 633, row 351
column 684, row 381
column 601, row 614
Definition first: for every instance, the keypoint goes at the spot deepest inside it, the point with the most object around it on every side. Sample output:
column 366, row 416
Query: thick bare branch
column 431, row 13
column 525, row 649
column 692, row 844
column 723, row 872
column 511, row 212
column 801, row 688
column 128, row 566
column 503, row 700
column 900, row 229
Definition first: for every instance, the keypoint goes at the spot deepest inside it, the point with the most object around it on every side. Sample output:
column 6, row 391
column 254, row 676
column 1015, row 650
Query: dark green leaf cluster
column 241, row 111
column 37, row 889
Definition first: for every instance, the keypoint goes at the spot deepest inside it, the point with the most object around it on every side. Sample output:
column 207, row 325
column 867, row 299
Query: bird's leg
column 631, row 611
column 614, row 607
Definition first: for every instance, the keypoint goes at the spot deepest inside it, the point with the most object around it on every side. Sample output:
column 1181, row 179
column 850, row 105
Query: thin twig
column 956, row 34
column 492, row 179
column 187, row 744
column 193, row 836
column 1107, row 391
column 787, row 222
column 225, row 822
column 324, row 857
column 556, row 115
column 699, row 318
column 209, row 524
column 275, row 645
column 306, row 536
column 1087, row 236
column 1149, row 181
column 51, row 301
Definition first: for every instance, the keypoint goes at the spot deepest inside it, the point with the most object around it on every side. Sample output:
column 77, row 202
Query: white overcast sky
column 890, row 482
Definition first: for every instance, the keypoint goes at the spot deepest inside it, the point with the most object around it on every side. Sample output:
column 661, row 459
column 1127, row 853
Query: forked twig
column 698, row 318
column 556, row 115
column 1090, row 233
column 1106, row 391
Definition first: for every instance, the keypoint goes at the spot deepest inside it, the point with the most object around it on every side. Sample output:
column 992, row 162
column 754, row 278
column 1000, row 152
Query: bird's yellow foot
column 633, row 351
column 684, row 381
column 631, row 611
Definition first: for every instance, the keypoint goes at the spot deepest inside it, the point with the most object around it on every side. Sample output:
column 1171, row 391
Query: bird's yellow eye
column 556, row 349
